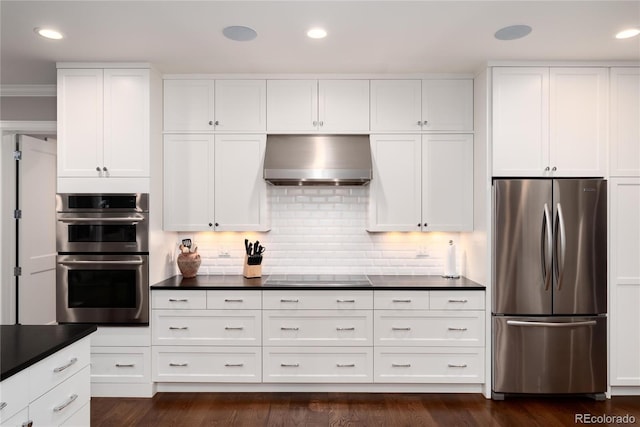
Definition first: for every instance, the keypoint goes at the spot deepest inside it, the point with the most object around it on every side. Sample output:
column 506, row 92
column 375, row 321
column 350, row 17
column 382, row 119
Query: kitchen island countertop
column 384, row 282
column 24, row 345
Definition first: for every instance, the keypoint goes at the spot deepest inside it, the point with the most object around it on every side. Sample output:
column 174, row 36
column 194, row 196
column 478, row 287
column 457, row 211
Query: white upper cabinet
column 625, row 122
column 422, row 105
column 396, row 105
column 103, row 123
column 549, row 122
column 318, row 106
column 220, row 105
column 422, row 183
column 447, row 105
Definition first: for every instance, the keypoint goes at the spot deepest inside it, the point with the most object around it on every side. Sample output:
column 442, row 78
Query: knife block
column 251, row 271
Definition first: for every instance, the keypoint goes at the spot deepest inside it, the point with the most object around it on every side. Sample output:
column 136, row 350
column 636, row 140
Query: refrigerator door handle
column 550, row 324
column 546, row 247
column 561, row 235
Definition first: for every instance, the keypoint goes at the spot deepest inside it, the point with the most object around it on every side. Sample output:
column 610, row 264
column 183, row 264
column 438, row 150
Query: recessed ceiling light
column 239, row 33
column 625, row 34
column 317, row 33
column 512, row 32
column 48, row 33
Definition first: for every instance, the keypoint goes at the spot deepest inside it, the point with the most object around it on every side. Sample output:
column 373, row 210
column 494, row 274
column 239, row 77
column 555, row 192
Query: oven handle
column 126, row 262
column 98, row 220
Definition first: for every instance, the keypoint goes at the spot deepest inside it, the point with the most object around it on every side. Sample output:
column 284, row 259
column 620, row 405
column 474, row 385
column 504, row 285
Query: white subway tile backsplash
column 321, row 230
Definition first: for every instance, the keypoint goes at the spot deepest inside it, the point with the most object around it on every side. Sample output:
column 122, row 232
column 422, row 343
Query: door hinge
column 17, row 155
column 17, row 214
column 17, row 271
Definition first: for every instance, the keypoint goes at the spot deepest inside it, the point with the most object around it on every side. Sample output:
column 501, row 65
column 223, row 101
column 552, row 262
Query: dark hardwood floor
column 353, row 409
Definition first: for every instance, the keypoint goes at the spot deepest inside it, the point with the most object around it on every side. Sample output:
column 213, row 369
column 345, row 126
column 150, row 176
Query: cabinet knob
column 419, row 123
column 419, row 224
column 210, row 225
column 217, row 225
column 104, row 169
column 547, row 169
column 315, row 123
column 210, row 122
column 321, row 123
column 217, row 123
column 98, row 168
column 554, row 168
column 426, row 122
column 426, row 224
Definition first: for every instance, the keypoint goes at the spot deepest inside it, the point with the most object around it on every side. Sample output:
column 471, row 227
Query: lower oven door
column 102, row 289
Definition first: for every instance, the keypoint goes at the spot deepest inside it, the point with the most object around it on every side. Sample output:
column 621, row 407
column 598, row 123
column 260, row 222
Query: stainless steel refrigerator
column 549, row 286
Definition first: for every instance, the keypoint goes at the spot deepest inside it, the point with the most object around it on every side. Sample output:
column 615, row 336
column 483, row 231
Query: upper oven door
column 134, row 202
column 100, row 232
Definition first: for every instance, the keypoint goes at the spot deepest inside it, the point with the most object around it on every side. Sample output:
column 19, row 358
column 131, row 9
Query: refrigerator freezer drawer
column 549, row 354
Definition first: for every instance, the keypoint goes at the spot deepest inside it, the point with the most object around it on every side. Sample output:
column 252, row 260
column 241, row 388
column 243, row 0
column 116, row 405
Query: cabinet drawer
column 179, row 300
column 120, row 365
column 429, row 328
column 456, row 300
column 56, row 368
column 318, row 327
column 60, row 403
column 14, row 395
column 401, row 300
column 207, row 364
column 429, row 365
column 238, row 300
column 81, row 418
column 317, row 300
column 17, row 420
column 317, row 365
column 207, row 327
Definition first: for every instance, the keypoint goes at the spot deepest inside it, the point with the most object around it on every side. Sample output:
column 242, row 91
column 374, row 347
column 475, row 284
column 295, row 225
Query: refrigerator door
column 522, row 242
column 580, row 246
column 550, row 354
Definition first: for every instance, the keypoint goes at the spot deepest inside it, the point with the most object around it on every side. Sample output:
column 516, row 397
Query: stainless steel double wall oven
column 102, row 272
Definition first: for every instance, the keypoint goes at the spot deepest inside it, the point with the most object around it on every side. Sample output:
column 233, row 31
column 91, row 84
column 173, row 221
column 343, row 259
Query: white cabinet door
column 188, row 105
column 625, row 122
column 395, row 202
column 447, row 105
column 447, row 182
column 624, row 281
column 578, row 121
column 343, row 105
column 126, row 122
column 520, row 106
column 240, row 190
column 240, row 105
column 292, row 105
column 80, row 121
column 188, row 182
column 396, row 105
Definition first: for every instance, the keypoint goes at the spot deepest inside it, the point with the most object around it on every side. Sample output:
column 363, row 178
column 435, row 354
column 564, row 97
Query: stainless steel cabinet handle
column 233, row 300
column 351, row 328
column 289, row 300
column 462, row 301
column 125, row 365
column 400, row 300
column 178, row 328
column 290, row 365
column 457, row 329
column 68, row 402
column 400, row 329
column 401, row 365
column 178, row 299
column 452, row 365
column 346, row 300
column 531, row 324
column 3, row 405
column 234, row 365
column 179, row 365
column 233, row 328
column 284, row 328
column 345, row 365
column 63, row 367
column 100, row 262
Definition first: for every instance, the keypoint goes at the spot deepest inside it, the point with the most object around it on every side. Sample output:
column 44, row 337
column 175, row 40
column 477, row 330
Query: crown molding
column 27, row 90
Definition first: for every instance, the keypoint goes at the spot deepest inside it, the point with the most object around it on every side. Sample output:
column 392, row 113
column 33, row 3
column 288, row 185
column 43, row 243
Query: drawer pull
column 345, row 365
column 234, row 365
column 179, row 365
column 63, row 367
column 290, row 365
column 27, row 423
column 457, row 329
column 400, row 329
column 289, row 300
column 3, row 405
column 234, row 300
column 401, row 365
column 285, row 328
column 346, row 300
column 125, row 365
column 451, row 365
column 350, row 328
column 401, row 300
column 233, row 328
column 178, row 328
column 68, row 402
column 178, row 299
column 459, row 300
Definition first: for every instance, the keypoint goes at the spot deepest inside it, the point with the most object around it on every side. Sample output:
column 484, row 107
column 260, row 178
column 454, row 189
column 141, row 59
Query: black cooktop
column 317, row 280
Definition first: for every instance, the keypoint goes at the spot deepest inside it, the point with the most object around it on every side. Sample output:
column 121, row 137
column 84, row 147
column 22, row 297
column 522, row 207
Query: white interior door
column 37, row 233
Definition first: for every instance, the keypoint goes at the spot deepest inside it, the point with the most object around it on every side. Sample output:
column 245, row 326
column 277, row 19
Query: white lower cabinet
column 14, row 399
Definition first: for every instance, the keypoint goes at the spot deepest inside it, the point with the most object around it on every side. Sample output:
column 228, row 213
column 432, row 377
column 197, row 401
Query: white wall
column 321, row 230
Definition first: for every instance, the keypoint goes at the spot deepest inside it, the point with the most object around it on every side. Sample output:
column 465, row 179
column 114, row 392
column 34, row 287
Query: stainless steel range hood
column 317, row 160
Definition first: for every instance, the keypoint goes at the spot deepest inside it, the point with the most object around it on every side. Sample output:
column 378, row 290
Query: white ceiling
column 364, row 36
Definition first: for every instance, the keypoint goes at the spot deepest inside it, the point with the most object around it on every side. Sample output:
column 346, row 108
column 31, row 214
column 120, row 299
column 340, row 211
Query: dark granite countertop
column 395, row 282
column 24, row 345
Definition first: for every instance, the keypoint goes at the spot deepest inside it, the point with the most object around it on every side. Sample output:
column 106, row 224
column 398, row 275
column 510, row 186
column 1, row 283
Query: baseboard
column 625, row 391
column 123, row 389
column 335, row 388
